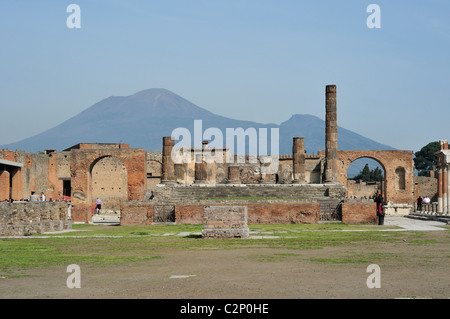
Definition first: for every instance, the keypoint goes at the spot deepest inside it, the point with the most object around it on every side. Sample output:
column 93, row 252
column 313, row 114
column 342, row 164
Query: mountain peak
column 143, row 118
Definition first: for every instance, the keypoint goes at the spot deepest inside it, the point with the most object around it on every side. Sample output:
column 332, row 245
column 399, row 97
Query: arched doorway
column 366, row 177
column 109, row 183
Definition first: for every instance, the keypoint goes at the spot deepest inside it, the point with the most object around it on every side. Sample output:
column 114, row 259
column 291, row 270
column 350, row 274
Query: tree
column 426, row 158
column 368, row 175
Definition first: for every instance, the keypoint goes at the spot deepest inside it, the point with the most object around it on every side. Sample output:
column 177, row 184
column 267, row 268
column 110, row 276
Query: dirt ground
column 408, row 271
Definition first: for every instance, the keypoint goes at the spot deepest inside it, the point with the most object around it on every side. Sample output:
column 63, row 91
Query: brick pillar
column 4, row 185
column 298, row 160
column 331, row 169
column 168, row 168
column 448, row 189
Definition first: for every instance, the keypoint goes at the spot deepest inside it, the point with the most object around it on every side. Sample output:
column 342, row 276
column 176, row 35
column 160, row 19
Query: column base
column 170, row 183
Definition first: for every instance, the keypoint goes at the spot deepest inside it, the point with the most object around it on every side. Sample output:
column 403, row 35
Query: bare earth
column 417, row 271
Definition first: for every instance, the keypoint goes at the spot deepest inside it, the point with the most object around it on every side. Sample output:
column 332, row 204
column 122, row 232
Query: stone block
column 225, row 222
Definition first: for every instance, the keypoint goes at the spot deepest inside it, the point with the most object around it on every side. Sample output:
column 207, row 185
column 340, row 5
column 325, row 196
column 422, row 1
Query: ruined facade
column 137, row 184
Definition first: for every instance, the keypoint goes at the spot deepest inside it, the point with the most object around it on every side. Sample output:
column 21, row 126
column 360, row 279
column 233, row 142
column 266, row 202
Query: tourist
column 99, row 206
column 419, row 203
column 42, row 197
column 426, row 200
column 380, row 211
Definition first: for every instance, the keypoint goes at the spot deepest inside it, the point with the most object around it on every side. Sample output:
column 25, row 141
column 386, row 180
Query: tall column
column 440, row 202
column 444, row 189
column 168, row 168
column 298, row 160
column 331, row 169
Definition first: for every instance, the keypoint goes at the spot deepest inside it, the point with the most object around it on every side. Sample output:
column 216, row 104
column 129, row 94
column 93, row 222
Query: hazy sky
column 254, row 60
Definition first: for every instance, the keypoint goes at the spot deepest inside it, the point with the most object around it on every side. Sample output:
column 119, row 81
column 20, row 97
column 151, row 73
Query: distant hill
column 142, row 119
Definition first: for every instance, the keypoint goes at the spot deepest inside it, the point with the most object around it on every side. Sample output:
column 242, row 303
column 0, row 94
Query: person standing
column 99, row 206
column 419, row 203
column 42, row 197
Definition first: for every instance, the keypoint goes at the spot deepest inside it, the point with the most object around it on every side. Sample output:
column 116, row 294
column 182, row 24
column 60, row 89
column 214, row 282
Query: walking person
column 99, row 206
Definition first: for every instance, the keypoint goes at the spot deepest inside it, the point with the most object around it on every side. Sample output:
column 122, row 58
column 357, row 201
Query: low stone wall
column 356, row 212
column 225, row 222
column 259, row 212
column 25, row 218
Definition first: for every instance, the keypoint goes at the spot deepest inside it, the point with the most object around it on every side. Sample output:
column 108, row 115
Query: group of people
column 426, row 200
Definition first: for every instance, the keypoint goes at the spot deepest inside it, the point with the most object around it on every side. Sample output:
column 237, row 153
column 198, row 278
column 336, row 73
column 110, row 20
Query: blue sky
column 252, row 60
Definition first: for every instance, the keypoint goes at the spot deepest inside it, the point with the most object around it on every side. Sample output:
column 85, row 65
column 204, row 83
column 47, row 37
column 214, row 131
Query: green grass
column 99, row 245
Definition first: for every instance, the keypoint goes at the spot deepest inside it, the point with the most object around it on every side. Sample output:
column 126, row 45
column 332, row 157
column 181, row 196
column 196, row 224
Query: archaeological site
column 139, row 187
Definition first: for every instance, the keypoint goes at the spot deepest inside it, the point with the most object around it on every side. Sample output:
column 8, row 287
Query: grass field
column 167, row 247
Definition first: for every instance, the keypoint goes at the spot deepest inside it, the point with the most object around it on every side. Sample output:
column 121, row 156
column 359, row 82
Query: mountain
column 142, row 119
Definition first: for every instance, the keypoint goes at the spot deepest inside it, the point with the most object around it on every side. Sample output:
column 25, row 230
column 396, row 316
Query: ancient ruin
column 141, row 187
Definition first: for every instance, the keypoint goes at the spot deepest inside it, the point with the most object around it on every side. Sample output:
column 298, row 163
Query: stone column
column 444, row 190
column 200, row 167
column 180, row 172
column 331, row 146
column 298, row 160
column 168, row 169
column 440, row 202
column 265, row 177
column 234, row 175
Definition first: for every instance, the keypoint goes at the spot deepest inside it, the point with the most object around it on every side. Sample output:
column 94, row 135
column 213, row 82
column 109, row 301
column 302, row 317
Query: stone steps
column 419, row 216
column 301, row 192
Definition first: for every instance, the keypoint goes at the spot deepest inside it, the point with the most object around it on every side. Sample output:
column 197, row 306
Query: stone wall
column 18, row 219
column 359, row 212
column 361, row 189
column 426, row 186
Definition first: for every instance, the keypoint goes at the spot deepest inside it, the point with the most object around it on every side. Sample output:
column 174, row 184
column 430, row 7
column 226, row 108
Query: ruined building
column 146, row 187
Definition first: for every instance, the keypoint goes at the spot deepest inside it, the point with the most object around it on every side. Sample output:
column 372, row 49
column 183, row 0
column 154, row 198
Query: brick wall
column 18, row 219
column 259, row 212
column 359, row 212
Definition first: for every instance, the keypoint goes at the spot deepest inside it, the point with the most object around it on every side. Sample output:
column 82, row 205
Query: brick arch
column 390, row 161
column 81, row 164
column 109, row 182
